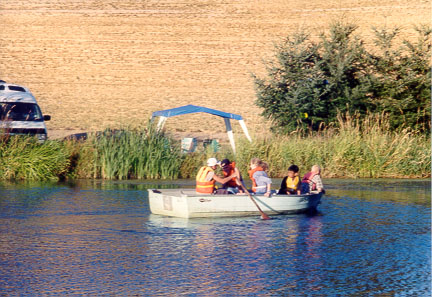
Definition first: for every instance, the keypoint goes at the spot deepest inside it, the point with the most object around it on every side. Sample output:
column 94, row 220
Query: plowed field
column 94, row 64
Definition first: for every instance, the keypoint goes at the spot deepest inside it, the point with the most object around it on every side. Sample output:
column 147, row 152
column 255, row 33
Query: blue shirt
column 262, row 180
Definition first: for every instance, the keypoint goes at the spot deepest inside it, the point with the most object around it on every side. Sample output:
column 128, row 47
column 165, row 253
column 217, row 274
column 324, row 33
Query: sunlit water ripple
column 370, row 238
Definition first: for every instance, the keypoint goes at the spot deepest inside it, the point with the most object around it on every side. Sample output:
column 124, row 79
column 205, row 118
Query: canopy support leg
column 245, row 130
column 230, row 133
column 161, row 123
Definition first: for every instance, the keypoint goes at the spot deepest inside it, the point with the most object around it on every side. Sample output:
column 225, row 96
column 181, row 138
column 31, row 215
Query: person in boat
column 261, row 183
column 311, row 182
column 206, row 178
column 234, row 185
column 291, row 184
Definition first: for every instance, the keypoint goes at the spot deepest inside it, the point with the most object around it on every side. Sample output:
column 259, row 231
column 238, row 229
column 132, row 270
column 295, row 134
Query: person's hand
column 267, row 194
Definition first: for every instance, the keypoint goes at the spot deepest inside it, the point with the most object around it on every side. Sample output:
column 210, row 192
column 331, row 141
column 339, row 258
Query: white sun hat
column 212, row 162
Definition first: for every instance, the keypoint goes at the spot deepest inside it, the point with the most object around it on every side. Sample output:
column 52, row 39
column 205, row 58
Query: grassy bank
column 352, row 149
column 24, row 158
column 126, row 154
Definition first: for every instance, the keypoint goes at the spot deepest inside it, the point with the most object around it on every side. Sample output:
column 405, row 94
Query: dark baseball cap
column 225, row 162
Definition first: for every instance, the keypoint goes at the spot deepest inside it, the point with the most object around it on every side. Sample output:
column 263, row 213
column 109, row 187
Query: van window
column 17, row 88
column 20, row 112
column 2, row 87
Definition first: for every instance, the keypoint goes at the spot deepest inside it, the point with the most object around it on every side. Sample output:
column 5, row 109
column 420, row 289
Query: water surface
column 369, row 238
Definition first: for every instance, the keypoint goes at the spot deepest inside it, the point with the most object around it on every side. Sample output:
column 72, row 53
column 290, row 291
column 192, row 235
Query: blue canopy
column 194, row 109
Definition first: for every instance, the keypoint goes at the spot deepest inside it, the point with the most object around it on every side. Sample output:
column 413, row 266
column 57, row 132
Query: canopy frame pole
column 161, row 123
column 245, row 130
column 230, row 133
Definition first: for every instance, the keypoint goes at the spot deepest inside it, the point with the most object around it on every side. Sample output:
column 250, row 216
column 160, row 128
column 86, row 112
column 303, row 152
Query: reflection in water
column 98, row 238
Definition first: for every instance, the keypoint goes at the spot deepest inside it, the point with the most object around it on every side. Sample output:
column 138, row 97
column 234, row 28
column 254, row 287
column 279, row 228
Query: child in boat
column 261, row 183
column 234, row 185
column 291, row 184
column 311, row 182
column 206, row 179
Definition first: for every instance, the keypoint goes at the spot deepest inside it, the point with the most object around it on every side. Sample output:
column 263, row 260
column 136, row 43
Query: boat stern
column 168, row 205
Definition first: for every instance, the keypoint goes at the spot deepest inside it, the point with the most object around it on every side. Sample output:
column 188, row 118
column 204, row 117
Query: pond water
column 369, row 238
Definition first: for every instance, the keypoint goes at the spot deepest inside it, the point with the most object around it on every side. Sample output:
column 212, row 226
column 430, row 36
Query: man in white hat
column 206, row 177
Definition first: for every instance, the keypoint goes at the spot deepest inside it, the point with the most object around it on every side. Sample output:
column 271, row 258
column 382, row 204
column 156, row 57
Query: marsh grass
column 23, row 158
column 353, row 148
column 133, row 154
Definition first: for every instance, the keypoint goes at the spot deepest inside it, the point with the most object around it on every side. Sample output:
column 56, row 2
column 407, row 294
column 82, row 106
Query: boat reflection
column 221, row 248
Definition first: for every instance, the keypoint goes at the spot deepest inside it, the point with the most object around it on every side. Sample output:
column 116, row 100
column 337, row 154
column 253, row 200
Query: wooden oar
column 263, row 215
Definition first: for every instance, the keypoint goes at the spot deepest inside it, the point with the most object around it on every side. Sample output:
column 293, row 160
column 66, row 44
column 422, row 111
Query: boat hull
column 188, row 204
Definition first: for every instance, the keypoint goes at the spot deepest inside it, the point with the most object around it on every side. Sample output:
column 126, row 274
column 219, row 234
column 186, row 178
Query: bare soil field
column 94, row 64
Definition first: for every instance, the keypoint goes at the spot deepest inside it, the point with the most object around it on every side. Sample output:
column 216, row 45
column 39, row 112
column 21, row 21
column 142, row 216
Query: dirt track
column 94, row 64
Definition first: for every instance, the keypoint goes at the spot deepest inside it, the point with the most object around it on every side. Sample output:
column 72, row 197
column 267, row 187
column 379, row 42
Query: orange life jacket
column 203, row 186
column 251, row 173
column 232, row 182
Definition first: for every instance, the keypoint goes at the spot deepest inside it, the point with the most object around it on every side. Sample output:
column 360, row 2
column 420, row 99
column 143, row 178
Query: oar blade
column 264, row 216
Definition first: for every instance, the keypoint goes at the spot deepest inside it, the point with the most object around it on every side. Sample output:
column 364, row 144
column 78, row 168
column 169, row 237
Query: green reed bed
column 127, row 154
column 112, row 154
column 23, row 158
column 353, row 149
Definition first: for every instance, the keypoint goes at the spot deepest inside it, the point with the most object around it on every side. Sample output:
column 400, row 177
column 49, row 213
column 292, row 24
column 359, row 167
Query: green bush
column 309, row 82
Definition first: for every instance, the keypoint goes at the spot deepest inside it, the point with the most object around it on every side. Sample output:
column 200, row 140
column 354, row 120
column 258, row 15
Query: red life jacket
column 203, row 186
column 251, row 173
column 307, row 179
column 232, row 182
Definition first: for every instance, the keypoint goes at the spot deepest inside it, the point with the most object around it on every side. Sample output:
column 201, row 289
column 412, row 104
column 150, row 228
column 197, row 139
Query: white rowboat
column 186, row 203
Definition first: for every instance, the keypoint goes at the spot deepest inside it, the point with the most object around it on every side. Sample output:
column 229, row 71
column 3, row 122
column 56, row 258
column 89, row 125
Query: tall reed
column 125, row 154
column 353, row 148
column 23, row 158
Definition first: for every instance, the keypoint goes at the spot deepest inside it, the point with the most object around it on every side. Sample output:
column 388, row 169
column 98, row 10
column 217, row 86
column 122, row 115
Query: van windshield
column 16, row 111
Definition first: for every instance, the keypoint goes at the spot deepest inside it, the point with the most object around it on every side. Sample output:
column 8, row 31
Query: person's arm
column 268, row 182
column 239, row 180
column 298, row 187
column 283, row 188
column 238, row 176
column 223, row 180
column 268, row 193
column 318, row 183
column 320, row 186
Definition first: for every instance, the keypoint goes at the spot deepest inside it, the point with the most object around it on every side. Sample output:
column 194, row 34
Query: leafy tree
column 309, row 82
column 294, row 88
column 400, row 81
column 343, row 63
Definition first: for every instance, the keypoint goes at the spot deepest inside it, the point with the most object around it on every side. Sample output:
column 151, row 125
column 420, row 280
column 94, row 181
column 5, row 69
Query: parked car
column 19, row 112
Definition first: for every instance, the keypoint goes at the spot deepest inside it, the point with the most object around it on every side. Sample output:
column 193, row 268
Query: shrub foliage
column 309, row 82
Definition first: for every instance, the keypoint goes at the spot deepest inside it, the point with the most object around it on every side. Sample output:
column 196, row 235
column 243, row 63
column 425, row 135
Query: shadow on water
column 368, row 238
column 394, row 190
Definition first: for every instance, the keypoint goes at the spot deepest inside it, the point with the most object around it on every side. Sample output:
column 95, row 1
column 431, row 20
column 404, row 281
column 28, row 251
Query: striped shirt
column 318, row 183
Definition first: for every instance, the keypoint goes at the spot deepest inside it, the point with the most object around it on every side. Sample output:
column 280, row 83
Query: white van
column 20, row 113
